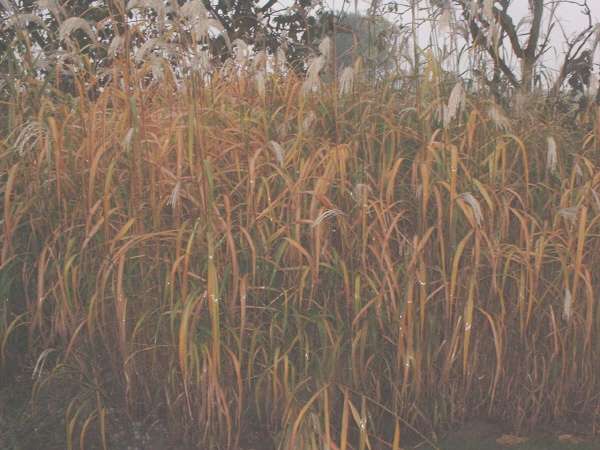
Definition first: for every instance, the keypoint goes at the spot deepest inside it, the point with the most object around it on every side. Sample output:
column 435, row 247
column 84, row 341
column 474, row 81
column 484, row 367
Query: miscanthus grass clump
column 256, row 255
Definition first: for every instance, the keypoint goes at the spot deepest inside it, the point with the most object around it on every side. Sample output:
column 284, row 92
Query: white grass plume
column 148, row 46
column 578, row 171
column 29, row 135
column 346, row 81
column 20, row 21
column 361, row 193
column 313, row 80
column 259, row 61
column 116, row 45
column 551, row 155
column 193, row 8
column 260, row 80
column 326, row 215
column 40, row 363
column 278, row 151
column 325, row 47
column 567, row 305
column 126, row 142
column 72, row 24
column 456, row 104
column 174, row 196
column 475, row 206
column 280, row 58
column 592, row 90
column 497, row 116
column 308, row 121
column 157, row 68
column 241, row 50
column 488, row 9
column 200, row 62
column 195, row 13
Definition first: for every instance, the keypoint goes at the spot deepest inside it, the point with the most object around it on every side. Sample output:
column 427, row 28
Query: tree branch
column 537, row 9
column 479, row 39
column 267, row 6
column 509, row 28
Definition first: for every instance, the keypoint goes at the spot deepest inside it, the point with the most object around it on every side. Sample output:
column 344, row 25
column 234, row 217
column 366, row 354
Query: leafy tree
column 266, row 24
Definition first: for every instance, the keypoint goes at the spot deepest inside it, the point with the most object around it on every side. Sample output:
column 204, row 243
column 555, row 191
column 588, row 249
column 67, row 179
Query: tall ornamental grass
column 348, row 265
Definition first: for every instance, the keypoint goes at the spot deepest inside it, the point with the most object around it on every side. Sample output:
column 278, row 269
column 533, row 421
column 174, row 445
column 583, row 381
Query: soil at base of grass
column 24, row 426
column 483, row 435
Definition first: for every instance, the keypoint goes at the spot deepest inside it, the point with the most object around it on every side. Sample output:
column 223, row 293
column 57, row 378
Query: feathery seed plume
column 72, row 24
column 474, row 204
column 551, row 155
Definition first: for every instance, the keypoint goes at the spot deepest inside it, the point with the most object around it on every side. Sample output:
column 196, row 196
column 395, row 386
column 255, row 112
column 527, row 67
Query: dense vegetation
column 255, row 258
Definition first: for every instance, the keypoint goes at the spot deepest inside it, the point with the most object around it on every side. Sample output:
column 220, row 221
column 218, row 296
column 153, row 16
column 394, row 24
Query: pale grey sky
column 568, row 13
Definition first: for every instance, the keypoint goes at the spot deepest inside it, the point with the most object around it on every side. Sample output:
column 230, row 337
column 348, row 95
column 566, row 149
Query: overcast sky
column 569, row 14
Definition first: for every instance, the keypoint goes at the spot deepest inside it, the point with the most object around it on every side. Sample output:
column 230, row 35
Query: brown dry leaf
column 570, row 439
column 510, row 439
